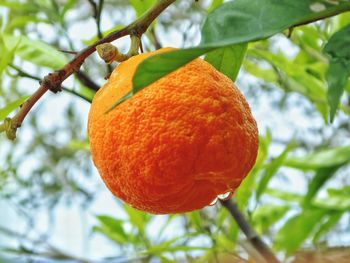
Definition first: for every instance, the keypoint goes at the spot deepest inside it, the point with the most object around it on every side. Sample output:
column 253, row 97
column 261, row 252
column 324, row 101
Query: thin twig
column 68, row 52
column 155, row 39
column 98, row 18
column 86, row 81
column 249, row 232
column 22, row 73
column 54, row 80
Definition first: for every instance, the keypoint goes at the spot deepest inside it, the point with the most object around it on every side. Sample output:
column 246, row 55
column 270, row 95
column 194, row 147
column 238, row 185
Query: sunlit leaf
column 214, row 4
column 79, row 145
column 112, row 228
column 141, row 6
column 173, row 245
column 7, row 57
column 137, row 218
column 5, row 111
column 245, row 190
column 283, row 195
column 333, row 202
column 195, row 220
column 332, row 219
column 228, row 60
column 322, row 158
column 36, row 51
column 67, row 6
column 271, row 170
column 266, row 215
column 297, row 229
column 321, row 177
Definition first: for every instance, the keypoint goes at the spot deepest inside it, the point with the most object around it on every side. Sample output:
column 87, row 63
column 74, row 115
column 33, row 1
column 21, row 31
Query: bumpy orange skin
column 175, row 145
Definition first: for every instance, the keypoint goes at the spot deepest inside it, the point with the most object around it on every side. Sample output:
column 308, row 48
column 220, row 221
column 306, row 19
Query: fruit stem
column 253, row 238
column 54, row 80
column 134, row 46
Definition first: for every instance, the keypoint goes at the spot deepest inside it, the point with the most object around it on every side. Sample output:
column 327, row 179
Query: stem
column 54, row 80
column 336, row 10
column 85, row 80
column 98, row 18
column 249, row 232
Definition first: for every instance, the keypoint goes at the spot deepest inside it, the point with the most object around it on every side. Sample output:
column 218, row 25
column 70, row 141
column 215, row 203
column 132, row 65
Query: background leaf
column 36, row 51
column 338, row 72
column 5, row 111
column 322, row 158
column 321, row 177
column 297, row 229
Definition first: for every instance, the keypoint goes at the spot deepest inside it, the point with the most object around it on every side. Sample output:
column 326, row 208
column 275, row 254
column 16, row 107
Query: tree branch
column 22, row 73
column 249, row 232
column 54, row 80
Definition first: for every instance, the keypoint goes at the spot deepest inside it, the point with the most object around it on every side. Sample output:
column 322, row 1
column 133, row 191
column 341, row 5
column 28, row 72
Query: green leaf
column 22, row 21
column 228, row 60
column 283, row 195
column 242, row 21
column 141, row 6
column 337, row 199
column 112, row 228
column 232, row 23
column 7, row 57
column 214, row 4
column 155, row 67
column 337, row 77
column 36, row 51
column 299, row 79
column 295, row 77
column 332, row 219
column 67, row 6
column 297, row 229
column 19, row 5
column 338, row 51
column 338, row 44
column 4, row 112
column 271, row 170
column 246, row 188
column 268, row 75
column 79, row 145
column 319, row 159
column 345, row 191
column 321, row 177
column 195, row 220
column 171, row 246
column 137, row 218
column 266, row 215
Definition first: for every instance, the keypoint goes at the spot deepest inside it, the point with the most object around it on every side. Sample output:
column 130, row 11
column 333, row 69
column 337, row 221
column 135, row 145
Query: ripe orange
column 176, row 144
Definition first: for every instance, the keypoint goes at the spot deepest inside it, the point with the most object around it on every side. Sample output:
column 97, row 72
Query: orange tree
column 296, row 195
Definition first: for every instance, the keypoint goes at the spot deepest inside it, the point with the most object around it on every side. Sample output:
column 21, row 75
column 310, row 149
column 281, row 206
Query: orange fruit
column 175, row 145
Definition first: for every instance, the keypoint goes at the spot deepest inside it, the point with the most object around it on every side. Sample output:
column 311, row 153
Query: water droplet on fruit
column 225, row 196
column 214, row 201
